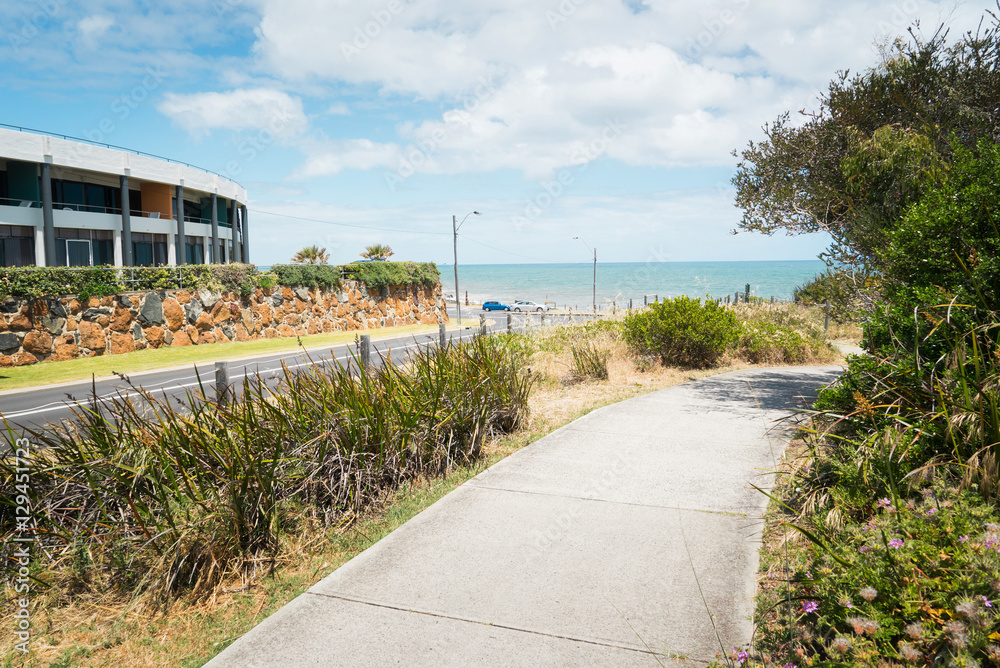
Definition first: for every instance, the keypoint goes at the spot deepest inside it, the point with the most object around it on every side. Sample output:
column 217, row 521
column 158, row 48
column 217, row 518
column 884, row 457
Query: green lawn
column 162, row 358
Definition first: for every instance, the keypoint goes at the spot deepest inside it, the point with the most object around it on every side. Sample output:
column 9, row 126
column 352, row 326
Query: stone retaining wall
column 60, row 329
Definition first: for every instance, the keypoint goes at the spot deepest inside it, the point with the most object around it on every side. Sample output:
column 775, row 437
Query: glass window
column 78, row 252
column 104, row 252
column 142, row 252
column 72, row 196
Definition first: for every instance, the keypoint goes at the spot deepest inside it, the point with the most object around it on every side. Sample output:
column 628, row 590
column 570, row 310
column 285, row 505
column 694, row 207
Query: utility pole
column 455, row 226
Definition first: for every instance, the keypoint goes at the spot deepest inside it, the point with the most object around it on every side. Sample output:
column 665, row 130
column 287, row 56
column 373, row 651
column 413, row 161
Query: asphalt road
column 54, row 403
column 51, row 404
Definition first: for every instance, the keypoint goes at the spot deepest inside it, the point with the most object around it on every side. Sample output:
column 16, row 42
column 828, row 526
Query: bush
column 683, row 332
column 380, row 275
column 307, row 275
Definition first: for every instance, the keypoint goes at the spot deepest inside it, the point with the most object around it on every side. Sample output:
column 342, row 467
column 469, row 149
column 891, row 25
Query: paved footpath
column 615, row 541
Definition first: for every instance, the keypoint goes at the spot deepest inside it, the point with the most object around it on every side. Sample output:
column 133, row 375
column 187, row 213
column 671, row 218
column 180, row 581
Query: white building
column 67, row 202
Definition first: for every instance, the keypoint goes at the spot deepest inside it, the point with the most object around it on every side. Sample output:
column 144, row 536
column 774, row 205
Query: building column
column 214, row 258
column 118, row 252
column 180, row 249
column 48, row 225
column 171, row 250
column 126, row 259
column 246, row 236
column 39, row 247
column 233, row 228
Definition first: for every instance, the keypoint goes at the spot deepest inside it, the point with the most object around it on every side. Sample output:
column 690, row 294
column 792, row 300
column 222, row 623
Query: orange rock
column 352, row 297
column 206, row 337
column 121, row 343
column 154, row 336
column 181, row 338
column 23, row 359
column 327, row 326
column 20, row 323
column 71, row 324
column 121, row 320
column 390, row 322
column 107, row 301
column 285, row 330
column 241, row 333
column 39, row 308
column 300, row 305
column 38, row 342
column 205, row 322
column 182, row 297
column 292, row 320
column 3, row 325
column 270, row 333
column 312, row 329
column 92, row 335
column 65, row 351
column 173, row 313
column 286, row 292
column 220, row 336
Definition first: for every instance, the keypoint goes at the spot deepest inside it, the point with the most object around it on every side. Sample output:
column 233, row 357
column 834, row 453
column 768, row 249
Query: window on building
column 195, row 251
column 4, row 193
column 84, row 248
column 149, row 250
column 17, row 246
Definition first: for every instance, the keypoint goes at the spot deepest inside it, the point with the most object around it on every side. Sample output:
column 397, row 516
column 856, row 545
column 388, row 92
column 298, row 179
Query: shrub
column 307, row 275
column 239, row 278
column 380, row 275
column 683, row 331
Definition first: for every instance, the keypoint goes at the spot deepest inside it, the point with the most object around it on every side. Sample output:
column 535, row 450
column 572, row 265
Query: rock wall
column 60, row 329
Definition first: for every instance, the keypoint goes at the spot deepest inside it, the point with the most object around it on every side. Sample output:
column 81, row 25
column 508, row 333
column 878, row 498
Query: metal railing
column 117, row 148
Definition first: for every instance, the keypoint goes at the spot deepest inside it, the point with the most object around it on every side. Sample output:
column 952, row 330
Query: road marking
column 166, row 385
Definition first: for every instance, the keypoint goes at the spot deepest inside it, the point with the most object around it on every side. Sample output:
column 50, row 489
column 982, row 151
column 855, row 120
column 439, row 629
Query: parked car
column 522, row 305
column 494, row 305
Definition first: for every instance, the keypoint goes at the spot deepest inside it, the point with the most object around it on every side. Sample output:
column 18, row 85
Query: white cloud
column 690, row 81
column 262, row 109
column 95, row 26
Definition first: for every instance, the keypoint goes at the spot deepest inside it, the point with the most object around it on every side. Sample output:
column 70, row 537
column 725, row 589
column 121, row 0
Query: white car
column 521, row 305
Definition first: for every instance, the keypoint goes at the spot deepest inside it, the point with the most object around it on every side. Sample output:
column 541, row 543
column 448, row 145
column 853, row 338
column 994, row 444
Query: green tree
column 311, row 255
column 878, row 142
column 377, row 252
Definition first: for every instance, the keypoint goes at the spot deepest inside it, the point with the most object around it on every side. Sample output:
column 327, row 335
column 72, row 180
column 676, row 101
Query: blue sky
column 356, row 122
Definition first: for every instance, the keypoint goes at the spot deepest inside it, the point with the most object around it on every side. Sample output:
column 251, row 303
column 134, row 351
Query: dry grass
column 91, row 632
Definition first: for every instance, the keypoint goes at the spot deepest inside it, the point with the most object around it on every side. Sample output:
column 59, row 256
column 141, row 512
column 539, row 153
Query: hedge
column 38, row 282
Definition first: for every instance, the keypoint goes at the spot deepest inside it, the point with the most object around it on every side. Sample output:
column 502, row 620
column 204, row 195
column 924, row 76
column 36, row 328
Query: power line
column 330, row 222
column 391, row 229
column 526, row 257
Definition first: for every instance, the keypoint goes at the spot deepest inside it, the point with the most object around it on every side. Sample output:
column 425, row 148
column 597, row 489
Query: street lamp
column 454, row 228
column 595, row 270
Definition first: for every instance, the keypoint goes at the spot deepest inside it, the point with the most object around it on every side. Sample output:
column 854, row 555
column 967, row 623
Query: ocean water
column 572, row 284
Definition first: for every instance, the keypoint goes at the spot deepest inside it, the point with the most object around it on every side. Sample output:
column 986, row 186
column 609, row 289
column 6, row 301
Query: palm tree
column 377, row 252
column 311, row 255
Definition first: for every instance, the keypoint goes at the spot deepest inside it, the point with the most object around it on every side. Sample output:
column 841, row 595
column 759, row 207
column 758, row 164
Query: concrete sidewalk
column 622, row 535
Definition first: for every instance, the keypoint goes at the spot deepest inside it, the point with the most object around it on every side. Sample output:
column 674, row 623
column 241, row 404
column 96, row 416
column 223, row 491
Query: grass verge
column 163, row 358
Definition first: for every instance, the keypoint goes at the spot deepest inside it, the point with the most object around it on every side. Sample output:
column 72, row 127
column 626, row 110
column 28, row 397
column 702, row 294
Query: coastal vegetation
column 311, row 255
column 882, row 545
column 173, row 530
column 377, row 252
column 242, row 279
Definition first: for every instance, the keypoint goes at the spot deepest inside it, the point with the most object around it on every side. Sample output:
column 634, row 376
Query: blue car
column 495, row 306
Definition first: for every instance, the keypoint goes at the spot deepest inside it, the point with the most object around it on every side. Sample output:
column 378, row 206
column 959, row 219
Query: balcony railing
column 89, row 208
column 117, row 148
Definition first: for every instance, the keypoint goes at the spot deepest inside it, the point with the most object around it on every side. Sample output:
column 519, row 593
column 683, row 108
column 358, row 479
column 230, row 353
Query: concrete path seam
column 474, row 485
column 587, row 641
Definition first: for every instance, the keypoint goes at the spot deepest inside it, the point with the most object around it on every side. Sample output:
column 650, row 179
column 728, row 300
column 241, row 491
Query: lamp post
column 595, row 270
column 454, row 229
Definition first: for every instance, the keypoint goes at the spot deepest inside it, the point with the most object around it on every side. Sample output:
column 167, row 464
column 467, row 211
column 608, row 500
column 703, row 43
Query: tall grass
column 144, row 498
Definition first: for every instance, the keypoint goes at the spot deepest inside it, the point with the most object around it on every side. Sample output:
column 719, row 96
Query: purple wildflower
column 741, row 655
column 962, row 539
column 809, row 606
column 863, row 549
column 896, row 543
column 884, row 503
column 931, row 511
column 987, row 602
